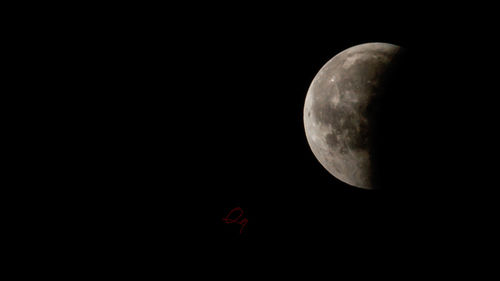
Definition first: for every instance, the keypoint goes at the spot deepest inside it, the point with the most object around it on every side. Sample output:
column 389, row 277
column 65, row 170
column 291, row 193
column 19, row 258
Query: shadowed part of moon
column 341, row 109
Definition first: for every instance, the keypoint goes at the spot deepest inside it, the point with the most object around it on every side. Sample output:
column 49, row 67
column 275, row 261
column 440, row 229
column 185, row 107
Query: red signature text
column 238, row 212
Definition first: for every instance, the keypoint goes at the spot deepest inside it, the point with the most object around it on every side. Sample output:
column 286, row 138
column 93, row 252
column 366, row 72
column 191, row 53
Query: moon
column 341, row 107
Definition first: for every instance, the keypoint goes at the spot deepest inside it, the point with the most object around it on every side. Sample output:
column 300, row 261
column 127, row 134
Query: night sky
column 202, row 113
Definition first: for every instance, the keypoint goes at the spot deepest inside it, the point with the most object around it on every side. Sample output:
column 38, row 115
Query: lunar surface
column 338, row 111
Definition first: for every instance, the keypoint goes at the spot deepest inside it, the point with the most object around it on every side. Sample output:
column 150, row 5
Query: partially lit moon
column 338, row 111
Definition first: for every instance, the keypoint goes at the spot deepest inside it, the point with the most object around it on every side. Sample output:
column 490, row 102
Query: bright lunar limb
column 338, row 111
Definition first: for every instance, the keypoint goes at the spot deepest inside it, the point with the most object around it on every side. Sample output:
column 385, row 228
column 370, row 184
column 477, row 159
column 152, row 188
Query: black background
column 181, row 115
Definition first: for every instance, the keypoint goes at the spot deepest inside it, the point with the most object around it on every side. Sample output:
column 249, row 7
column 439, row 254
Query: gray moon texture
column 336, row 119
